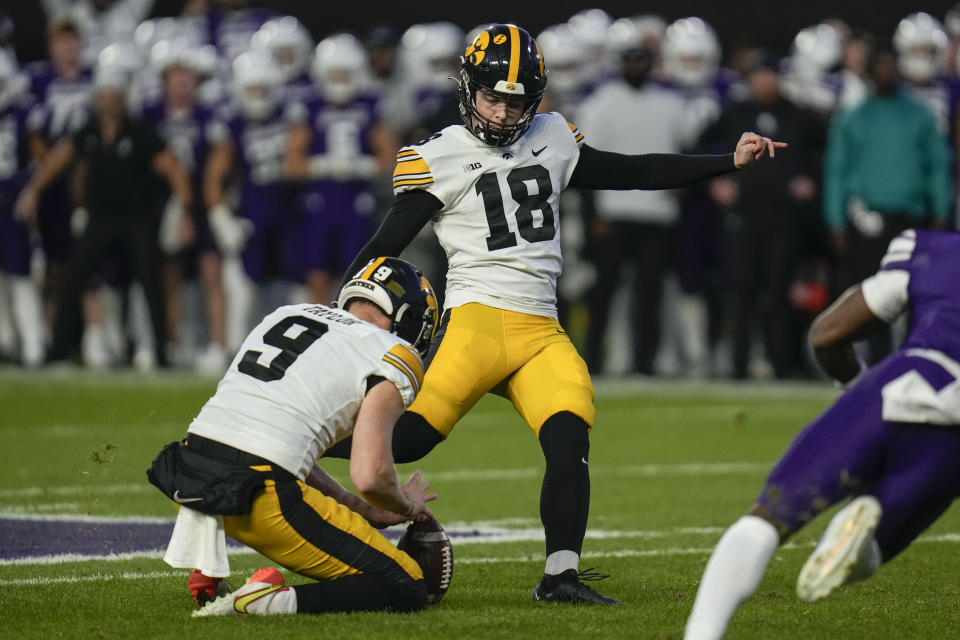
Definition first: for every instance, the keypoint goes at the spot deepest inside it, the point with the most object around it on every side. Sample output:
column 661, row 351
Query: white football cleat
column 846, row 553
column 263, row 583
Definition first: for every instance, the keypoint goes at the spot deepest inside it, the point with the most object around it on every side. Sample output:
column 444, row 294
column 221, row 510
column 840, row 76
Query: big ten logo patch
column 473, row 166
column 476, row 51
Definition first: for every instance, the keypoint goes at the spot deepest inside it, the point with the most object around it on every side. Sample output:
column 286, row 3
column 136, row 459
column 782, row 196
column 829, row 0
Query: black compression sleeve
column 606, row 170
column 407, row 215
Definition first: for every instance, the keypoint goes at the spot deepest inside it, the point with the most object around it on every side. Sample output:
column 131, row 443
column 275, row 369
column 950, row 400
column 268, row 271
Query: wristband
column 409, row 511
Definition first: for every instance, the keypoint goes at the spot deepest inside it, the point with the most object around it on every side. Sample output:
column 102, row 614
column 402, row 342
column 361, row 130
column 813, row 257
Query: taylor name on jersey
column 500, row 223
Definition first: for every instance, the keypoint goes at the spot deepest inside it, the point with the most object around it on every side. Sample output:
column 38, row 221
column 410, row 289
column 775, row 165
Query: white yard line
column 97, row 577
column 604, row 385
column 89, row 519
column 589, row 555
column 78, row 490
column 479, row 533
column 482, row 532
column 613, row 387
column 65, row 558
column 458, row 475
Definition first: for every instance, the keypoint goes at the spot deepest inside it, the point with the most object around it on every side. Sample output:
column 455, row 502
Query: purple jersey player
column 61, row 89
column 891, row 440
column 942, row 96
column 186, row 134
column 290, row 46
column 258, row 146
column 15, row 245
column 339, row 145
column 186, row 126
column 14, row 161
column 251, row 136
column 232, row 26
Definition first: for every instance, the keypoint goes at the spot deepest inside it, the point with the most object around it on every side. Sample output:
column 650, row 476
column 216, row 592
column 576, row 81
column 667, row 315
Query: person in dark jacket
column 765, row 226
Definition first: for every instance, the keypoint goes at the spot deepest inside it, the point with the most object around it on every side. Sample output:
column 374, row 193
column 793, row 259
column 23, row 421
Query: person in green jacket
column 887, row 168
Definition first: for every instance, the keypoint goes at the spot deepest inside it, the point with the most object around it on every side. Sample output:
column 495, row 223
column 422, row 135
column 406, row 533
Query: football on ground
column 428, row 544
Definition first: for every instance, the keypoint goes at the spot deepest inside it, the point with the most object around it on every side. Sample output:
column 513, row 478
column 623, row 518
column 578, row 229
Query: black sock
column 565, row 497
column 361, row 592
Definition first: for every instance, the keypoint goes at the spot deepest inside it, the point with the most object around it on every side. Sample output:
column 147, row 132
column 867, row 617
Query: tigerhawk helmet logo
column 503, row 61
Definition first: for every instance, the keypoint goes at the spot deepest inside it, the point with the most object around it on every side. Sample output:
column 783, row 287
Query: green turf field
column 672, row 465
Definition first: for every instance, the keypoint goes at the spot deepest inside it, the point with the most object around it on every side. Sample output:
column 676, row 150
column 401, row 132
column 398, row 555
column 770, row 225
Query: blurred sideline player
column 807, row 74
column 491, row 188
column 100, row 22
column 691, row 57
column 306, row 377
column 24, row 303
column 890, row 440
column 230, row 26
column 290, row 46
column 569, row 86
column 249, row 139
column 921, row 44
column 569, row 81
column 593, row 29
column 185, row 125
column 338, row 145
column 388, row 79
column 61, row 89
column 632, row 228
column 429, row 54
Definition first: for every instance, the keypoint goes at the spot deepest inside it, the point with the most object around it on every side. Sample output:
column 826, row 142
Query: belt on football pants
column 225, row 452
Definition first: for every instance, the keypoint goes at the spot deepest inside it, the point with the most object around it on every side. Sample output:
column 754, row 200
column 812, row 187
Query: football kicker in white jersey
column 501, row 232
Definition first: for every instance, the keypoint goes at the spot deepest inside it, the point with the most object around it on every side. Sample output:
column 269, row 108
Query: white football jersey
column 500, row 223
column 295, row 386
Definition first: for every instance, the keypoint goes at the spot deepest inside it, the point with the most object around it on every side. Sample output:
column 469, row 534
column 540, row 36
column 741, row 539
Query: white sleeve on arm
column 885, row 292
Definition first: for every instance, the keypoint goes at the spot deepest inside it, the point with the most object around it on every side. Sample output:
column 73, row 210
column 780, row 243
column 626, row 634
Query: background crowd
column 165, row 181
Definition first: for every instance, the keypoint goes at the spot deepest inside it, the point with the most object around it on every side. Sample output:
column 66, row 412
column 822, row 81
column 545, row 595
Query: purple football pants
column 912, row 469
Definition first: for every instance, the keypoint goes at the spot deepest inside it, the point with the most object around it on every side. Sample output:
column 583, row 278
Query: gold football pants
column 300, row 528
column 526, row 358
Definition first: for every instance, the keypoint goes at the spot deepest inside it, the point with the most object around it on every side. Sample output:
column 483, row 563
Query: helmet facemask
column 494, row 133
column 416, row 329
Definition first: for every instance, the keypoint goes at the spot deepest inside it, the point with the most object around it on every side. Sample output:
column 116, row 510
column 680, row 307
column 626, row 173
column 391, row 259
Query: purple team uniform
column 338, row 214
column 61, row 108
column 230, row 31
column 894, row 434
column 300, row 90
column 265, row 197
column 942, row 97
column 15, row 247
column 188, row 137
